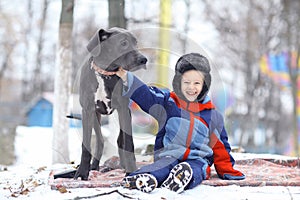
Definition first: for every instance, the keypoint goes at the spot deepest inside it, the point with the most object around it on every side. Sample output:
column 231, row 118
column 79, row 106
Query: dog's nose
column 142, row 60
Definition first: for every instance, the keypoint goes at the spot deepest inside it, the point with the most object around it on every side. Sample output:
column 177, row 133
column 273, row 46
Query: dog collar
column 105, row 74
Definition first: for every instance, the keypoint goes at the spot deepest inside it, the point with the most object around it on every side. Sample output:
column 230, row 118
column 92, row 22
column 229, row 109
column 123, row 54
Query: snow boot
column 179, row 177
column 143, row 182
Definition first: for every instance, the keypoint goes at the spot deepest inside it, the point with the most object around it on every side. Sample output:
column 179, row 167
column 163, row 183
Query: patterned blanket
column 262, row 172
column 259, row 172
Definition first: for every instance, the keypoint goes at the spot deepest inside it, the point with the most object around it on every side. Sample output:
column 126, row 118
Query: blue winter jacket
column 179, row 129
column 187, row 130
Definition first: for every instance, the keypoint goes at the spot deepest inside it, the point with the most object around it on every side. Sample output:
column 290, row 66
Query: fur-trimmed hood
column 192, row 61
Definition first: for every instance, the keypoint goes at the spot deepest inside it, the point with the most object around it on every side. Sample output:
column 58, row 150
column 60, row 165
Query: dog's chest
column 102, row 100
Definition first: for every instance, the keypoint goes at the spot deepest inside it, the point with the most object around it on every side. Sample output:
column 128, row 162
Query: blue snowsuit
column 185, row 130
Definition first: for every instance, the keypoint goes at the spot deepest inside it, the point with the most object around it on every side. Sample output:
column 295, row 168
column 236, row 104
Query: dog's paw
column 95, row 166
column 83, row 174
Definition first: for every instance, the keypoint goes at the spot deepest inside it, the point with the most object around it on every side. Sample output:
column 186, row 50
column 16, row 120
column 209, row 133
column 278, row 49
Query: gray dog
column 101, row 94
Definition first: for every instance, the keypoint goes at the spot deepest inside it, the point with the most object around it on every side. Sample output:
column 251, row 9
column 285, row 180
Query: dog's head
column 114, row 48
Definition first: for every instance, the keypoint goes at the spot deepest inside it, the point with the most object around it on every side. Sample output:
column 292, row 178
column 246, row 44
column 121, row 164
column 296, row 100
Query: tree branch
column 102, row 194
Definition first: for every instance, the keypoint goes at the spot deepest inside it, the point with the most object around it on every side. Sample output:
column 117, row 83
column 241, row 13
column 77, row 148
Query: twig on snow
column 102, row 194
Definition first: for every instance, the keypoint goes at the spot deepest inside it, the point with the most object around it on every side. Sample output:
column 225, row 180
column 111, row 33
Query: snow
column 33, row 164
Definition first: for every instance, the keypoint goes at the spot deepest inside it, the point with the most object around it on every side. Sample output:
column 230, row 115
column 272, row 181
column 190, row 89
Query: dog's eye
column 124, row 43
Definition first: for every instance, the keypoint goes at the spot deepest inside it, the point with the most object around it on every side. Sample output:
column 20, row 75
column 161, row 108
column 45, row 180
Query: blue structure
column 40, row 114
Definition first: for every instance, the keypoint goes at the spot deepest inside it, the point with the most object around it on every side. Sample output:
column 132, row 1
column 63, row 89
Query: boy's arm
column 223, row 161
column 150, row 99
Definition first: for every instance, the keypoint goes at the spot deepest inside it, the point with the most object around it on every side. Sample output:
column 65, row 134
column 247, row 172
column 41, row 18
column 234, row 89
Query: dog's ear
column 103, row 34
column 94, row 46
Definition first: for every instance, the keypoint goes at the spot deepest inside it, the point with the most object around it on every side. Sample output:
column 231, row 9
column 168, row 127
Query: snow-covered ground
column 28, row 177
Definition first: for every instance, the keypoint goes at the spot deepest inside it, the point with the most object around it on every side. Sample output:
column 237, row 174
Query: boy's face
column 191, row 84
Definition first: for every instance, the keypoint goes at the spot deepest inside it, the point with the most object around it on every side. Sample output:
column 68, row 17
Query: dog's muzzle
column 142, row 60
column 139, row 63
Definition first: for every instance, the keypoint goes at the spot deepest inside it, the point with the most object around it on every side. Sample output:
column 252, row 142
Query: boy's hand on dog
column 122, row 74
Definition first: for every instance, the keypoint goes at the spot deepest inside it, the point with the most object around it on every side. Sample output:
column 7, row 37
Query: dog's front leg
column 99, row 142
column 87, row 124
column 125, row 140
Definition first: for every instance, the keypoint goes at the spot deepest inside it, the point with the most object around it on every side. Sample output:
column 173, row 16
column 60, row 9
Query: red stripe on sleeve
column 189, row 137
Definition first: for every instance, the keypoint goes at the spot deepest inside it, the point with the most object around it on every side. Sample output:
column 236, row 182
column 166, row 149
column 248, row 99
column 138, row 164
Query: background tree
column 62, row 88
column 116, row 13
column 27, row 33
column 9, row 117
column 291, row 44
column 8, row 45
column 37, row 86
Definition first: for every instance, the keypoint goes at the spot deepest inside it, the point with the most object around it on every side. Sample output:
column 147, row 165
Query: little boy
column 191, row 134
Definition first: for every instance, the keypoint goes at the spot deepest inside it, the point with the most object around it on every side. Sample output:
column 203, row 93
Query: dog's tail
column 74, row 116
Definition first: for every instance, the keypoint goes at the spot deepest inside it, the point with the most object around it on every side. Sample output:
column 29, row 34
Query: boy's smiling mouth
column 191, row 95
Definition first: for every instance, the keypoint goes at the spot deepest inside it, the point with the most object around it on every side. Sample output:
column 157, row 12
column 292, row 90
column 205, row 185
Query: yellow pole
column 164, row 42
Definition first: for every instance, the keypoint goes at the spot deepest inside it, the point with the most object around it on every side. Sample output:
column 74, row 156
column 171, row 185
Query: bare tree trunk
column 37, row 83
column 62, row 88
column 5, row 63
column 293, row 24
column 116, row 13
column 25, row 81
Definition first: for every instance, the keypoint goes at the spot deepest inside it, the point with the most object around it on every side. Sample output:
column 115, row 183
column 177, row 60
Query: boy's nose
column 191, row 86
